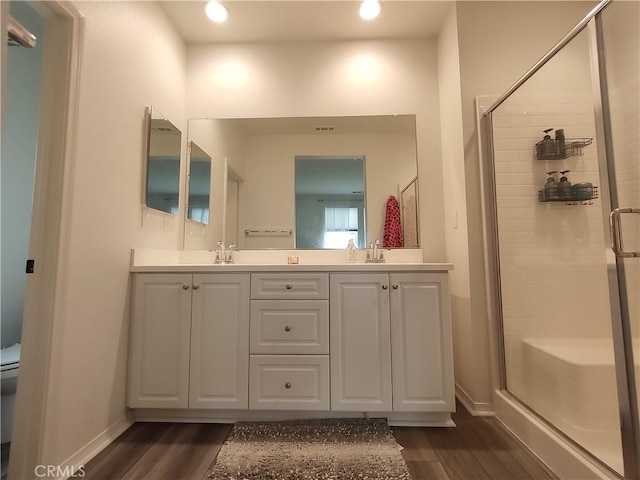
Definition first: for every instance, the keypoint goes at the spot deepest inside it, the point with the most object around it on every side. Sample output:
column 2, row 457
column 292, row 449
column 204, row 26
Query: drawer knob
column 385, row 287
column 196, row 286
column 185, row 286
column 289, row 286
column 287, row 385
column 287, row 328
column 395, row 286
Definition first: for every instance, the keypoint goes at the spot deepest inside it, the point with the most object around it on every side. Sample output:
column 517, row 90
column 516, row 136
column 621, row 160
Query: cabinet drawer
column 289, row 382
column 290, row 326
column 301, row 286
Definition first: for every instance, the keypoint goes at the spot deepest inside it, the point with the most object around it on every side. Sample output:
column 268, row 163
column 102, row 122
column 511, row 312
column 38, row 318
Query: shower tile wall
column 552, row 254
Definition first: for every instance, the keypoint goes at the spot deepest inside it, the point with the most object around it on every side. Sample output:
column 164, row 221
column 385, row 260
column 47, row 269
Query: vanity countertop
column 145, row 260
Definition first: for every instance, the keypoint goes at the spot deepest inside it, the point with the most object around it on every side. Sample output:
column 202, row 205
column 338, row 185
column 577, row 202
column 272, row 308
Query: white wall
column 131, row 58
column 469, row 337
column 330, row 79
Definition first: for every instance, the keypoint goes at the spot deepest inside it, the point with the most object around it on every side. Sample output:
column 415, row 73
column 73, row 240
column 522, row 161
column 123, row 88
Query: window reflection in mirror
column 199, row 184
column 330, row 203
column 163, row 164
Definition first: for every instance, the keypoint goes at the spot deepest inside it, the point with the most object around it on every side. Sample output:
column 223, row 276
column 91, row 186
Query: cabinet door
column 220, row 341
column 159, row 345
column 360, row 347
column 421, row 343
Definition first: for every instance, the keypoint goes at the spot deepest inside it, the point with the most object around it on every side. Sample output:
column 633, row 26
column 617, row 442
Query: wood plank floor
column 477, row 449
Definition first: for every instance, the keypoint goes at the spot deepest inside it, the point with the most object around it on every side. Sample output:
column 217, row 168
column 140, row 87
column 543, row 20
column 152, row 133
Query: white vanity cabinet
column 189, row 344
column 289, row 362
column 391, row 342
column 245, row 342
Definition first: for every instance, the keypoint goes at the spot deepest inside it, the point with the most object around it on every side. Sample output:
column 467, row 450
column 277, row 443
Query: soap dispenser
column 352, row 252
column 564, row 187
column 546, row 148
column 551, row 187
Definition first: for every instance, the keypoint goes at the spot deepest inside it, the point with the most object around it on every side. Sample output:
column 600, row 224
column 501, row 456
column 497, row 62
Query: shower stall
column 561, row 181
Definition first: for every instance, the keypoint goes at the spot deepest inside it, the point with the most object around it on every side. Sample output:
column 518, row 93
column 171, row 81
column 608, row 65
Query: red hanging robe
column 392, row 225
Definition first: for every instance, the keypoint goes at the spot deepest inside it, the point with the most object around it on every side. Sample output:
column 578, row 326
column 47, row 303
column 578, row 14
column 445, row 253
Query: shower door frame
column 620, row 317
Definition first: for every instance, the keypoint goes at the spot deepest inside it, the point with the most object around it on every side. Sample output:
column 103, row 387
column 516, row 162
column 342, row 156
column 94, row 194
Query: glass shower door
column 566, row 233
column 619, row 50
column 554, row 256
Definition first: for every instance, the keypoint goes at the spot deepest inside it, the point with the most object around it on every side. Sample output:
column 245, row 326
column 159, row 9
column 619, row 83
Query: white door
column 360, row 342
column 159, row 346
column 421, row 343
column 220, row 341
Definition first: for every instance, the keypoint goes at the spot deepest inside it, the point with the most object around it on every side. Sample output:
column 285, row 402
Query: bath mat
column 320, row 449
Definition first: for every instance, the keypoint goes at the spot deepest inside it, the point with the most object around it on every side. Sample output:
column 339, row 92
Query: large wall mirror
column 275, row 161
column 163, row 163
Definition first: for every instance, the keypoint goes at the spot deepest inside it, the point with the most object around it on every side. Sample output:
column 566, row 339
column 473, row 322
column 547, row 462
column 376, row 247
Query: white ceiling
column 305, row 20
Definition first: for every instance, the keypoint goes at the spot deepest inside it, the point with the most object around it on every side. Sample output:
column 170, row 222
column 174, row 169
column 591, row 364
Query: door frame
column 49, row 243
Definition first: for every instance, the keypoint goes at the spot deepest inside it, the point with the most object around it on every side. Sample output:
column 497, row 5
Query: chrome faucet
column 374, row 253
column 224, row 255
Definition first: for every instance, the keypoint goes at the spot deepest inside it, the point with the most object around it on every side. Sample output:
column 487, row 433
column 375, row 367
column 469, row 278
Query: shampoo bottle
column 546, row 149
column 564, row 187
column 551, row 187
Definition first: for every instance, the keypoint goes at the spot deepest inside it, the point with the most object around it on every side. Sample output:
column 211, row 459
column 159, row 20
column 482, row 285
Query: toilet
column 10, row 357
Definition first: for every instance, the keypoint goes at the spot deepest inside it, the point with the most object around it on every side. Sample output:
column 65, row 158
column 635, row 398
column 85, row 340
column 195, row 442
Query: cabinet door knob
column 289, row 286
column 384, row 287
column 196, row 286
column 185, row 286
column 287, row 385
column 287, row 328
column 395, row 286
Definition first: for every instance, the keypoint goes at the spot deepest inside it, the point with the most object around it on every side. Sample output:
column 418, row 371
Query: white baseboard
column 477, row 409
column 76, row 462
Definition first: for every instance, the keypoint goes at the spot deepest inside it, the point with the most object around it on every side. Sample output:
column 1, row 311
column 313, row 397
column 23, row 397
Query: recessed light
column 370, row 9
column 216, row 12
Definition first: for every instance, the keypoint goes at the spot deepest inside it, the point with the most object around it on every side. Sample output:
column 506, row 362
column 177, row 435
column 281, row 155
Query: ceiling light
column 216, row 12
column 370, row 9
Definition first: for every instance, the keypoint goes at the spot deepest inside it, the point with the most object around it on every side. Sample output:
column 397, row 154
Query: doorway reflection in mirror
column 199, row 184
column 329, row 201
